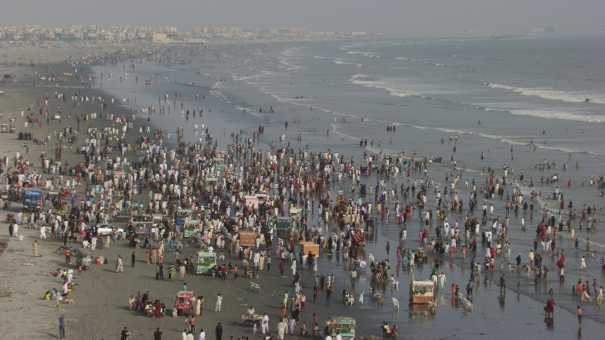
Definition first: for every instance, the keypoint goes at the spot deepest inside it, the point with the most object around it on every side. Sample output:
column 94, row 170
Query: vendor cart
column 422, row 296
column 206, row 262
column 184, row 303
column 343, row 326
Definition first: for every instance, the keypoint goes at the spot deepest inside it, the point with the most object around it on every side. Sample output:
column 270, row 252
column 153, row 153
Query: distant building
column 160, row 38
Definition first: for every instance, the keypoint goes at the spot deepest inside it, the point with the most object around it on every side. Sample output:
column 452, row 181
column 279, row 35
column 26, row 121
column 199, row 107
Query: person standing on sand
column 133, row 259
column 67, row 254
column 157, row 335
column 35, row 252
column 202, row 335
column 125, row 334
column 219, row 303
column 182, row 270
column 192, row 325
column 219, row 331
column 293, row 268
column 264, row 326
column 268, row 262
column 119, row 264
column 62, row 327
column 198, row 306
column 579, row 314
column 281, row 329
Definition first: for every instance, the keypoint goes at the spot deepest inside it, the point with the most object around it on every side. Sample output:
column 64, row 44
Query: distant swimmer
column 479, row 122
column 587, row 100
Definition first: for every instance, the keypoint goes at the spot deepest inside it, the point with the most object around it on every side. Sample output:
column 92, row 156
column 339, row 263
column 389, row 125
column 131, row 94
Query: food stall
column 422, row 292
column 422, row 296
column 247, row 238
column 190, row 227
column 310, row 248
column 206, row 261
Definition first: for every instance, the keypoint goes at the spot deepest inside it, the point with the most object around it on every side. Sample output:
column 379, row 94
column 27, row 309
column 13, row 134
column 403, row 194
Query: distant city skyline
column 158, row 34
column 395, row 17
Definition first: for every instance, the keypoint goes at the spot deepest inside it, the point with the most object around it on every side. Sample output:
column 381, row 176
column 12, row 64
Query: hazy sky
column 408, row 17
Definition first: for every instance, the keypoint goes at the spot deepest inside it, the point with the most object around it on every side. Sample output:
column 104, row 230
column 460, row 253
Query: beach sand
column 101, row 296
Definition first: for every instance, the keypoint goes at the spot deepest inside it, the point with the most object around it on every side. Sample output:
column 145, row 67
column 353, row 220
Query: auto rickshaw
column 343, row 326
column 184, row 302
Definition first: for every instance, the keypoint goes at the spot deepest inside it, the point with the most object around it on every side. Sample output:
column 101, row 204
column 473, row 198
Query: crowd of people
column 198, row 196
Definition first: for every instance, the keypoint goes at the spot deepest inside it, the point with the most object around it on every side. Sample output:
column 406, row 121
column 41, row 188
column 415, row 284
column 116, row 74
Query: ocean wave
column 510, row 140
column 584, row 118
column 412, row 60
column 566, row 149
column 339, row 61
column 342, row 134
column 250, row 111
column 552, row 94
column 248, row 78
column 286, row 65
column 290, row 52
column 365, row 54
column 367, row 81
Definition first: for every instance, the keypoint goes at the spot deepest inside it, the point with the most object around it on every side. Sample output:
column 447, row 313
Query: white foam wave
column 553, row 94
column 342, row 134
column 339, row 61
column 289, row 52
column 365, row 54
column 288, row 66
column 366, row 81
column 584, row 118
column 247, row 78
